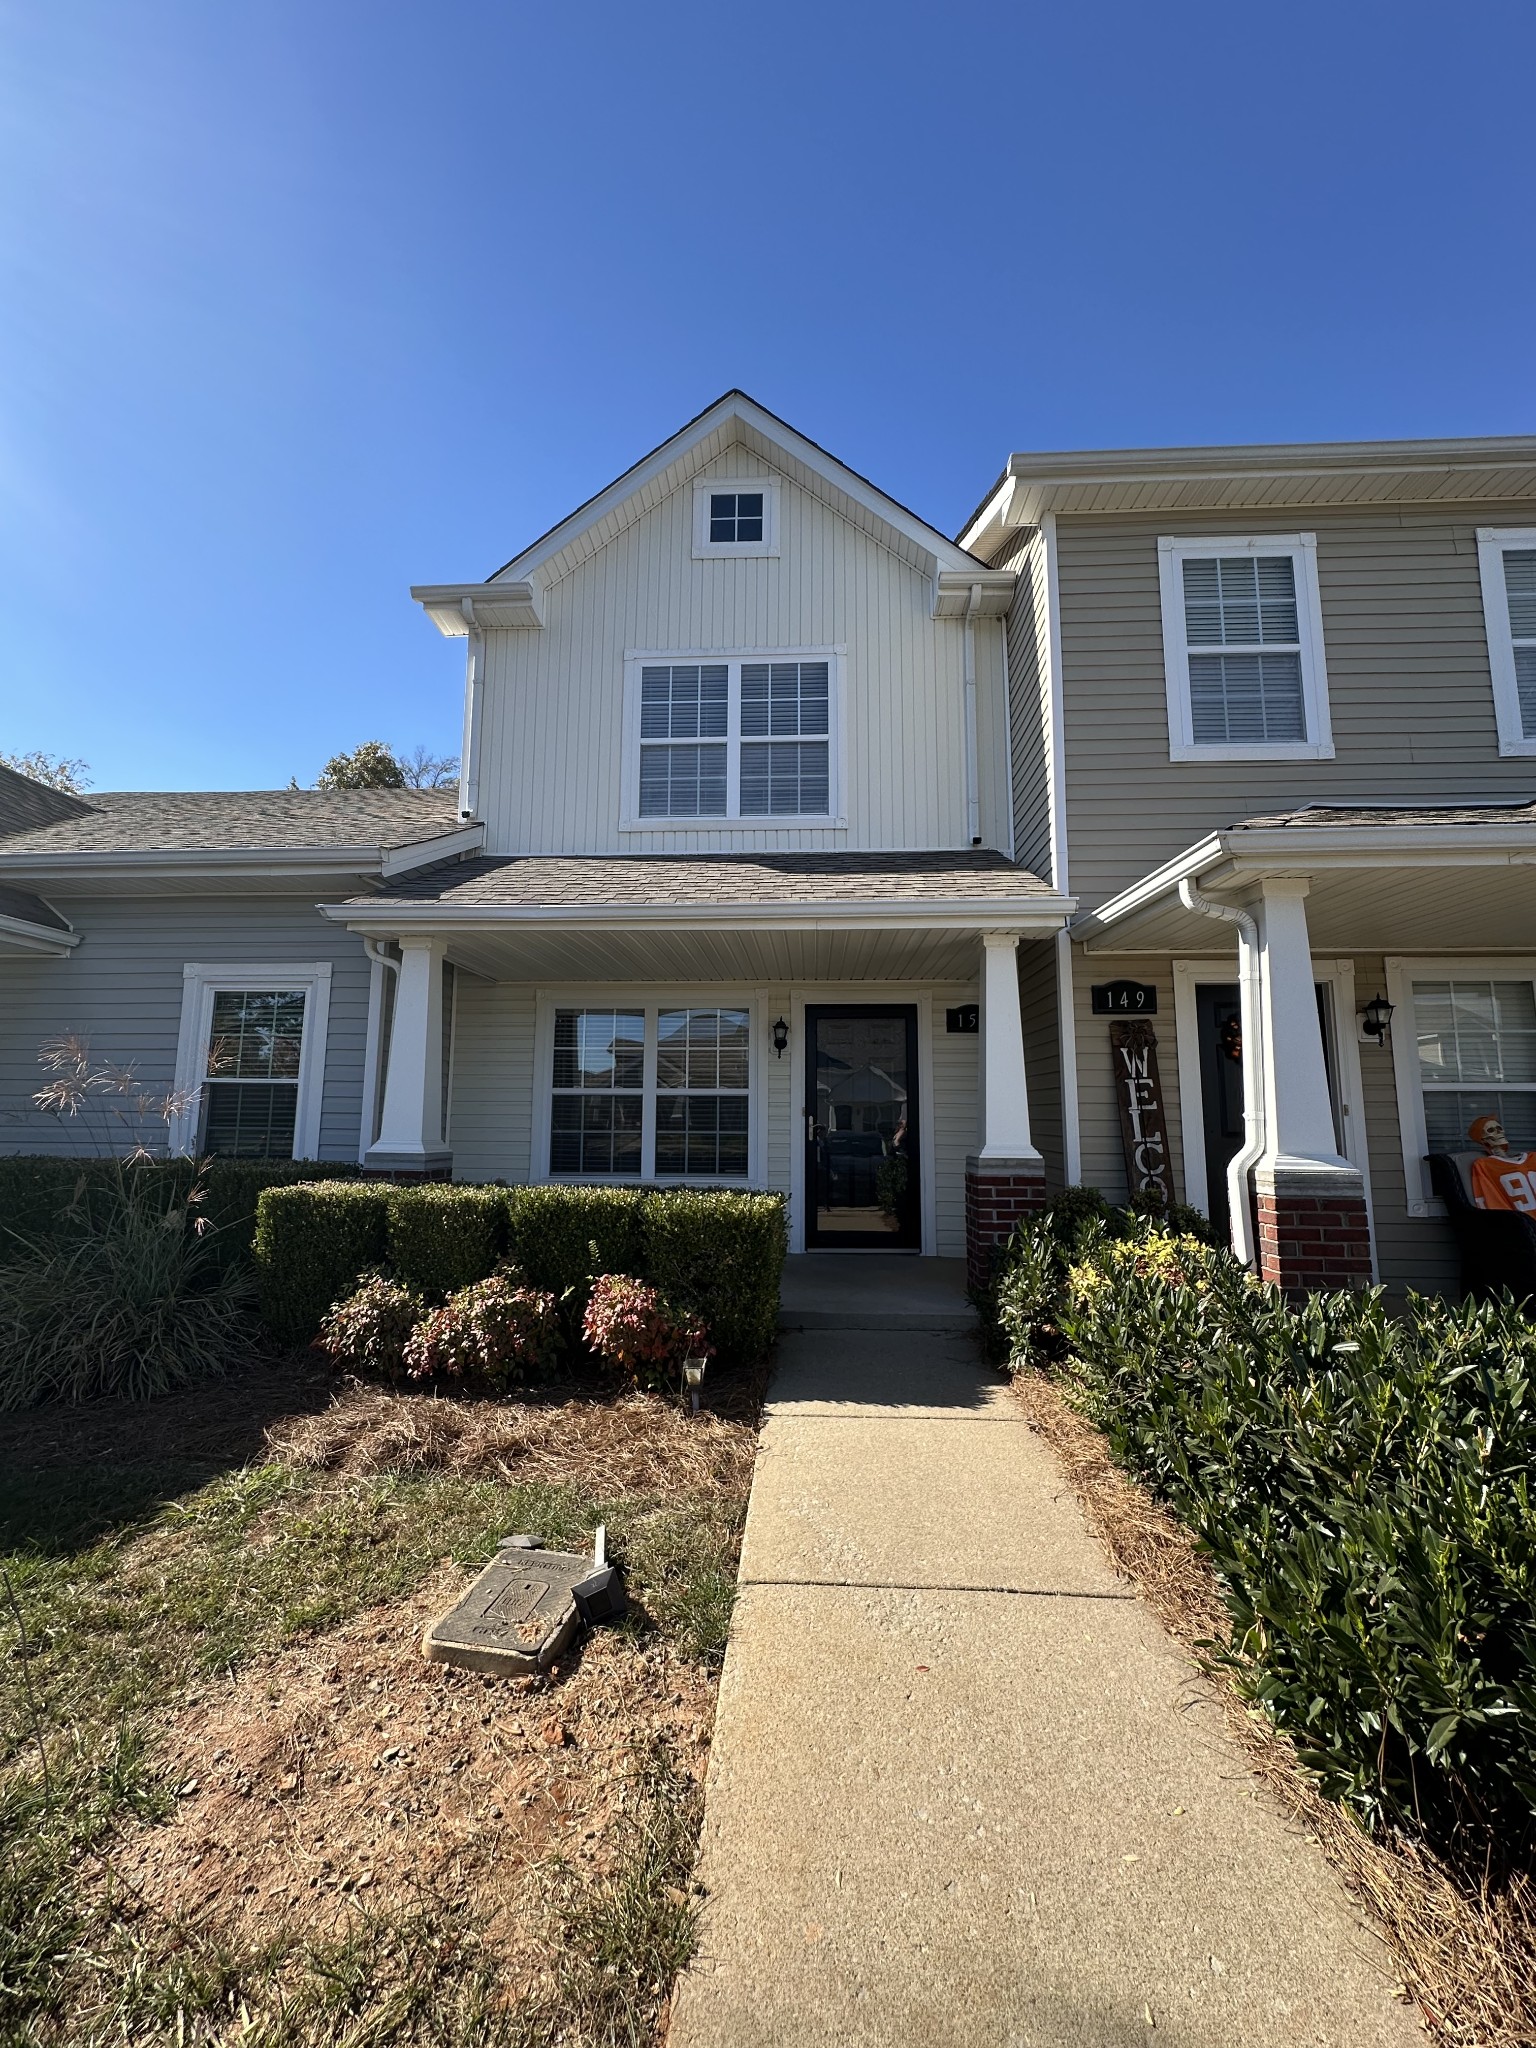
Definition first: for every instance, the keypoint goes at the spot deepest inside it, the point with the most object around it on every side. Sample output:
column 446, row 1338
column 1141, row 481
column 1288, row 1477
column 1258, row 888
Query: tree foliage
column 58, row 771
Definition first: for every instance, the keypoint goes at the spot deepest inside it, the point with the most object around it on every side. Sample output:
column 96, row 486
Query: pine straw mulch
column 628, row 1443
column 348, row 1774
column 1469, row 1961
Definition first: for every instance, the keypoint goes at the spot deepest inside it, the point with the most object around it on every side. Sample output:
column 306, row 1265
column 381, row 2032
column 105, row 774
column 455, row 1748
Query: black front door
column 1219, row 1009
column 861, row 1162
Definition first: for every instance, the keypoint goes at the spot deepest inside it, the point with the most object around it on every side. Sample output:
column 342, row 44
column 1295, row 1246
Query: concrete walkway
column 964, row 1791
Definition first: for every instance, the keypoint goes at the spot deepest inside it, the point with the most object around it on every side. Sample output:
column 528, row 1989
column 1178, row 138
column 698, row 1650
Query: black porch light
column 1375, row 1018
column 780, row 1036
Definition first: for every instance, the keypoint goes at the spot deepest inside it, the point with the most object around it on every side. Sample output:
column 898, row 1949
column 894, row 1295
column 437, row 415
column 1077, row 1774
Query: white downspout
column 1243, row 1163
column 972, row 773
column 474, row 687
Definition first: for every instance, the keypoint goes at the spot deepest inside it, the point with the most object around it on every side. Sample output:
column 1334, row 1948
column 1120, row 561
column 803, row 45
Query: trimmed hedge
column 717, row 1254
column 312, row 1244
column 442, row 1238
column 41, row 1196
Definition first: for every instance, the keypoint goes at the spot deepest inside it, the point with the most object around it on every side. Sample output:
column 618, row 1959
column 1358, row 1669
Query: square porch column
column 1005, row 1177
column 1314, row 1229
column 410, row 1140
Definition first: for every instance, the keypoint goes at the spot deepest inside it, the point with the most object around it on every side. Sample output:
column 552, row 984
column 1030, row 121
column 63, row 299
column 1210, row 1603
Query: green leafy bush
column 126, row 1300
column 1362, row 1482
column 720, row 1255
column 560, row 1236
column 636, row 1328
column 312, row 1243
column 442, row 1238
column 487, row 1334
column 369, row 1330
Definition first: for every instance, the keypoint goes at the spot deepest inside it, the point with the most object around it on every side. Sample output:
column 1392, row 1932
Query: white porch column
column 1314, row 1231
column 410, row 1136
column 1004, row 1098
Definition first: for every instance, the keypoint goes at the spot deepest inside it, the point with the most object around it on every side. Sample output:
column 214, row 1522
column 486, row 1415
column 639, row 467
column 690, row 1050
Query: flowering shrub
column 636, row 1327
column 368, row 1331
column 492, row 1331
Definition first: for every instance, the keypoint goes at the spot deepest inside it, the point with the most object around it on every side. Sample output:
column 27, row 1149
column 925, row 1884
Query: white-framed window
column 1243, row 649
column 1463, row 1046
column 731, row 739
column 1507, row 558
column 647, row 1088
column 250, row 1059
column 734, row 516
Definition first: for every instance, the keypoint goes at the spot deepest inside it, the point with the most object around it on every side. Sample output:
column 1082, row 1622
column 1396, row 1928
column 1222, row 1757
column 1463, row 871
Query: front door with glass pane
column 861, row 1171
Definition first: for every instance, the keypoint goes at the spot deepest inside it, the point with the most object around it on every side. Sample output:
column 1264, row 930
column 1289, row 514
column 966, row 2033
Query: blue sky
column 303, row 303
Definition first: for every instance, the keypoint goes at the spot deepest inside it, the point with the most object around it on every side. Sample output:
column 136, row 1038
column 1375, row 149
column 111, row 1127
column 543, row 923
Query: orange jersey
column 1505, row 1183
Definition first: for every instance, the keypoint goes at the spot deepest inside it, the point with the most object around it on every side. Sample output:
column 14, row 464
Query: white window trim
column 834, row 818
column 1491, row 543
column 1173, row 551
column 632, row 996
column 200, row 983
column 706, row 550
column 1402, row 970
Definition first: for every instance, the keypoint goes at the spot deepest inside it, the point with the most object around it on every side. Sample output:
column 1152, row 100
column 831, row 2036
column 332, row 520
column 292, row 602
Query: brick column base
column 1313, row 1238
column 997, row 1193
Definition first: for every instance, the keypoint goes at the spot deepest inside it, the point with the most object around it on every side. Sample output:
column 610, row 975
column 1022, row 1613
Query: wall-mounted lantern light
column 780, row 1036
column 1375, row 1017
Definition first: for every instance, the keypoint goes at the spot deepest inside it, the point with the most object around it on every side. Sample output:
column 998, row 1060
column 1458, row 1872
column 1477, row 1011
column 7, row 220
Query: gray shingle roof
column 1335, row 815
column 589, row 881
column 219, row 821
column 25, row 803
column 30, row 909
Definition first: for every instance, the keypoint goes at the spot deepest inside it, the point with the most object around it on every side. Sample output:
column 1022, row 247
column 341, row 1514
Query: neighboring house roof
column 513, row 596
column 25, row 908
column 25, row 803
column 1128, row 480
column 656, row 887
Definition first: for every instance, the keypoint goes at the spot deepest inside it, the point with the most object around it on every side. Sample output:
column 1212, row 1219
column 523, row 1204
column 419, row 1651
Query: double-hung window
column 1507, row 557
column 250, row 1061
column 1243, row 649
column 741, row 739
column 1464, row 1043
column 649, row 1091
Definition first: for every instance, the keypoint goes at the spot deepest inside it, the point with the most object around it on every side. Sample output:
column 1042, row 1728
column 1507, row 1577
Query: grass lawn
column 236, row 1803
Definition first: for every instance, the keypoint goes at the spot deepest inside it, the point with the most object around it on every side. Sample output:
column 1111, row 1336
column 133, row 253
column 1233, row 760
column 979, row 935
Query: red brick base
column 1314, row 1241
column 997, row 1193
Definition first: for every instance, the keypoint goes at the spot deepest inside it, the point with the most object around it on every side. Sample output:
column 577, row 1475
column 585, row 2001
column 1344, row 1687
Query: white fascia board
column 65, row 869
column 991, row 520
column 20, row 935
column 1298, row 847
column 994, row 593
column 422, row 853
column 1162, row 881
column 1044, row 915
column 458, row 608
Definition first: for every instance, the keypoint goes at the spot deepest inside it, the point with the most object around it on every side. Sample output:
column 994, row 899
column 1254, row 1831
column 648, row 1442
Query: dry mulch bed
column 1468, row 1961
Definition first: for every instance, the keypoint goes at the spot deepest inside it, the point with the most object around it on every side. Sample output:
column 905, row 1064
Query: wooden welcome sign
column 1143, row 1126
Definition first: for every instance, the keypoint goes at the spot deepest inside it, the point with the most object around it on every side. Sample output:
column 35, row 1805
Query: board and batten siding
column 1409, row 686
column 551, row 726
column 491, row 1112
column 121, row 989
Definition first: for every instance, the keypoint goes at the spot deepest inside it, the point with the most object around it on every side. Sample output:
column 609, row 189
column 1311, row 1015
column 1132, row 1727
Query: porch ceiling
column 544, row 955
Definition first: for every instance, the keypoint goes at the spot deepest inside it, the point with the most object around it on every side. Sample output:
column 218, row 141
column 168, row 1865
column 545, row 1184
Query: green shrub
column 1362, row 1484
column 487, row 1334
column 721, row 1255
column 442, row 1238
column 124, row 1300
column 370, row 1329
column 552, row 1232
column 312, row 1243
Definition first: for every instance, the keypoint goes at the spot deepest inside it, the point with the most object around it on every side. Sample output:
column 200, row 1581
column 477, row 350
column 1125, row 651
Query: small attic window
column 735, row 516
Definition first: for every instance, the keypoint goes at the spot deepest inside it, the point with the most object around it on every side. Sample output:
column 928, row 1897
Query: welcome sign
column 1143, row 1125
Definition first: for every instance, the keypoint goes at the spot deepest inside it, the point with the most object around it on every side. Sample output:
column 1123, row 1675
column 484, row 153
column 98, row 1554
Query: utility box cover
column 517, row 1616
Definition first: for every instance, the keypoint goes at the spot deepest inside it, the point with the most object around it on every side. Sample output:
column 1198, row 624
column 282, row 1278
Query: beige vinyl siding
column 492, row 1110
column 1042, row 1054
column 1408, row 682
column 1098, row 1104
column 1028, row 706
column 122, row 988
column 551, row 731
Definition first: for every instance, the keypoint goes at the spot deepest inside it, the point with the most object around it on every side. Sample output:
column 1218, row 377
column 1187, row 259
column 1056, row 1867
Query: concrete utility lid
column 517, row 1616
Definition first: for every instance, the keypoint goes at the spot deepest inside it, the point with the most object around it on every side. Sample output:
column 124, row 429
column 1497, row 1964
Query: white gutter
column 1036, row 916
column 21, row 935
column 972, row 789
column 41, row 868
column 1242, row 1164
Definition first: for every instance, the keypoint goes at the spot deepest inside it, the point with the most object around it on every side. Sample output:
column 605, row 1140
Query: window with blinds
column 1477, row 1057
column 1244, row 648
column 1508, row 559
column 735, row 740
column 653, row 1092
column 250, row 1086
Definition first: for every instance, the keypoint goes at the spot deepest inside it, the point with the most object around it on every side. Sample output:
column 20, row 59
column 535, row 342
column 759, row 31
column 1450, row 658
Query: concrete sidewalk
column 964, row 1791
